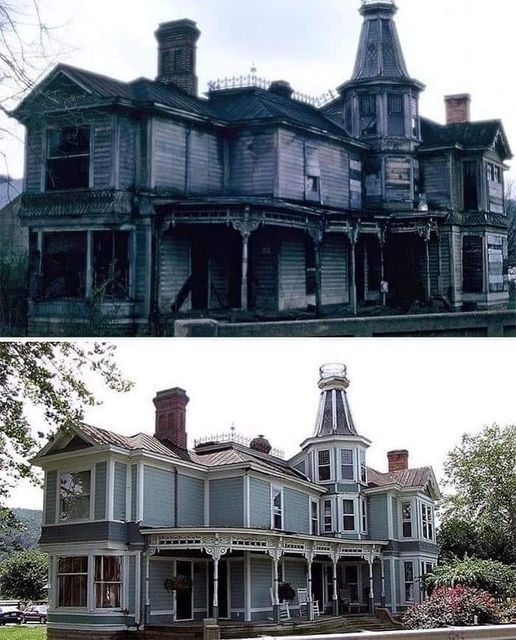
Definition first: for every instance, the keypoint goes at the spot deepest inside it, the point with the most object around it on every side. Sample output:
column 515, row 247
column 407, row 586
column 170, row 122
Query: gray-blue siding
column 260, row 503
column 296, row 511
column 190, row 501
column 261, row 583
column 200, row 586
column 50, row 497
column 160, row 598
column 132, row 584
column 294, row 574
column 395, row 519
column 119, row 497
column 159, row 497
column 237, row 584
column 227, row 502
column 378, row 520
column 100, row 490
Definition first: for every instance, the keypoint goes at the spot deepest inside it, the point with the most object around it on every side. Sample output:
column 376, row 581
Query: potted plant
column 286, row 592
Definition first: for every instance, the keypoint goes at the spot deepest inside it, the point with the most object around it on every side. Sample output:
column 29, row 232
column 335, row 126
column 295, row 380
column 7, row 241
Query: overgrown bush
column 488, row 575
column 450, row 607
column 13, row 295
column 508, row 612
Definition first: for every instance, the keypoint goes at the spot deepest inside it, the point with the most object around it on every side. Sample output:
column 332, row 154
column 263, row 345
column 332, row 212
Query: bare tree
column 510, row 196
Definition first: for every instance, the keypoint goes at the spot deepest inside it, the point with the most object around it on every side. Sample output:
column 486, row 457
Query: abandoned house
column 156, row 201
column 144, row 533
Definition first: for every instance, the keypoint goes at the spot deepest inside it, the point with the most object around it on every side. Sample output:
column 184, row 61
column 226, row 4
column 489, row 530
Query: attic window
column 68, row 158
column 396, row 114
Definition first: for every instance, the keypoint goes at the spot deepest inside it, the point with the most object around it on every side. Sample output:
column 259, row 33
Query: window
column 74, row 496
column 414, row 119
column 363, row 467
column 346, row 464
column 315, row 518
column 108, row 582
column 351, row 583
column 327, row 517
column 396, row 114
column 277, row 508
column 68, row 158
column 64, row 265
column 312, row 174
column 348, row 515
column 473, row 264
column 368, row 117
column 72, row 581
column 312, row 184
column 470, row 186
column 363, row 515
column 111, row 263
column 406, row 519
column 427, row 522
column 324, row 466
column 409, row 581
column 310, row 266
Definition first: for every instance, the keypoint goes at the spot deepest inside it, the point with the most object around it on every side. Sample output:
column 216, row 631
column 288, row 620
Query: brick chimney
column 458, row 108
column 177, row 54
column 398, row 460
column 171, row 417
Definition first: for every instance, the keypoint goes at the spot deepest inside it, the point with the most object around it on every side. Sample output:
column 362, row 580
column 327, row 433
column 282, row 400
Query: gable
column 75, row 444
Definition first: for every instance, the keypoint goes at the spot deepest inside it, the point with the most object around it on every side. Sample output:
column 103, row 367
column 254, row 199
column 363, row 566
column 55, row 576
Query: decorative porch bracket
column 353, row 235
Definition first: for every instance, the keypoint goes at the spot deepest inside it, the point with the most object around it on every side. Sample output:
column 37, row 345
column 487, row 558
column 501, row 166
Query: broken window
column 111, row 263
column 68, row 158
column 470, row 186
column 355, row 184
column 313, row 174
column 368, row 115
column 414, row 118
column 396, row 114
column 64, row 265
column 473, row 264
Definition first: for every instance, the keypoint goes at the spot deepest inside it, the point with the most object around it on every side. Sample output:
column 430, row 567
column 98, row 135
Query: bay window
column 68, row 158
column 427, row 522
column 363, row 467
column 346, row 464
column 408, row 574
column 327, row 516
column 72, row 581
column 111, row 263
column 348, row 515
column 108, row 582
column 363, row 515
column 74, row 495
column 323, row 465
column 406, row 519
column 314, row 515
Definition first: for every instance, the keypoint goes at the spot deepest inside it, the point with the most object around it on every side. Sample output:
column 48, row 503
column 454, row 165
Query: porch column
column 317, row 235
column 335, row 599
column 353, row 239
column 381, row 238
column 382, row 565
column 309, row 555
column 276, row 555
column 245, row 226
column 215, row 605
column 89, row 266
column 371, row 584
column 146, row 612
column 428, row 281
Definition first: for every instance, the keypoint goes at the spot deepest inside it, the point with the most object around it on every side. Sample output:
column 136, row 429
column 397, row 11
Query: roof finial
column 254, row 70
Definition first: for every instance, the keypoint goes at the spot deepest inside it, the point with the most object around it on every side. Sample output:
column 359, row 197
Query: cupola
column 334, row 415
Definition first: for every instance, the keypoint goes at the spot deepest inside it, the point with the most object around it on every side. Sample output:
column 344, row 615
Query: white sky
column 452, row 46
column 416, row 394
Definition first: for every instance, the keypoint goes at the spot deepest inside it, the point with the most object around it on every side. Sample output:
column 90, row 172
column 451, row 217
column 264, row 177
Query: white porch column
column 371, row 584
column 382, row 564
column 215, row 606
column 335, row 599
column 147, row 555
column 309, row 555
column 276, row 555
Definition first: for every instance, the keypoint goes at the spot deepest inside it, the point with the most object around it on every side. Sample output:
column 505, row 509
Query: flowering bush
column 452, row 606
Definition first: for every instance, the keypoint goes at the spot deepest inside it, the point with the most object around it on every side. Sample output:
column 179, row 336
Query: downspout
column 176, row 475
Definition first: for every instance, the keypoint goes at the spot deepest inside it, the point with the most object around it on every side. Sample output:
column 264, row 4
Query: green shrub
column 452, row 607
column 24, row 575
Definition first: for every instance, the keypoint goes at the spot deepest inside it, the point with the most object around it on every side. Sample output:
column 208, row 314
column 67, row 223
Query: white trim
column 110, row 489
column 139, row 494
column 137, row 587
column 282, row 509
column 247, row 589
column 247, row 501
column 206, row 503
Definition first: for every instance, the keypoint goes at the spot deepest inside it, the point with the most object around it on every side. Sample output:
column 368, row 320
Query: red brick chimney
column 458, row 108
column 171, row 417
column 177, row 54
column 398, row 460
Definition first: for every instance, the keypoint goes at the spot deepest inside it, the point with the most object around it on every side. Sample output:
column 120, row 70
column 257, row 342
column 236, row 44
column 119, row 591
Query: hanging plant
column 181, row 584
column 286, row 592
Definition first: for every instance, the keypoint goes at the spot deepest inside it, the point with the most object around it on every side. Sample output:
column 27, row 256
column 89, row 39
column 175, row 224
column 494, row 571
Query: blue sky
column 453, row 47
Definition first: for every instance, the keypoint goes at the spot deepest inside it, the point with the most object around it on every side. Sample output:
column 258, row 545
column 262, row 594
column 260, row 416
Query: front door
column 184, row 607
column 318, row 585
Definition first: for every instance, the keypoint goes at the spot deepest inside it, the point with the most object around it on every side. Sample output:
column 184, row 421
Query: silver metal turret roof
column 334, row 415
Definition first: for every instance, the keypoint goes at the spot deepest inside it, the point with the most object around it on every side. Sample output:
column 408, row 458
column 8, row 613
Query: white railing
column 233, row 437
column 499, row 632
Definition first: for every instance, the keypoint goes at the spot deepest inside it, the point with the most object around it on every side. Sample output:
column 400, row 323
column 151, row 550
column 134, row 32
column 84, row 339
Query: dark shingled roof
column 334, row 420
column 467, row 134
column 408, row 478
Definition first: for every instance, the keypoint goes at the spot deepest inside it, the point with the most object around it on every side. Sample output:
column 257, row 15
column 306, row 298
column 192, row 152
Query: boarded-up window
column 396, row 114
column 473, row 264
column 68, row 158
column 355, row 184
column 497, row 249
column 64, row 265
column 470, row 186
column 495, row 188
column 111, row 263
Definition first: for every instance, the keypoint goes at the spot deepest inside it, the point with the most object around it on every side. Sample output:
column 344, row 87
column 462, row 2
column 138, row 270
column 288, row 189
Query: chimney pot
column 398, row 460
column 458, row 108
column 171, row 417
column 177, row 54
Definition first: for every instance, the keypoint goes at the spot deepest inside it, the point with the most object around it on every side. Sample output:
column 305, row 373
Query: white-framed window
column 277, row 507
column 314, row 517
column 363, row 467
column 406, row 519
column 74, row 495
column 327, row 516
column 348, row 515
column 363, row 515
column 427, row 521
column 108, row 582
column 72, row 582
column 347, row 471
column 408, row 578
column 324, row 465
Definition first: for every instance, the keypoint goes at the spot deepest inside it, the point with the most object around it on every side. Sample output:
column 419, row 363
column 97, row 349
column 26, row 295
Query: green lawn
column 23, row 632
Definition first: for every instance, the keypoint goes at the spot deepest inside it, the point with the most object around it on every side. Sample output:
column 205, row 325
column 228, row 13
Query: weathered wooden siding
column 457, row 183
column 174, row 269
column 334, row 175
column 35, row 158
column 142, row 262
column 103, row 156
column 205, row 164
column 264, row 260
column 334, row 270
column 169, row 153
column 291, row 166
column 436, row 181
column 292, row 272
column 127, row 133
column 253, row 164
column 444, row 241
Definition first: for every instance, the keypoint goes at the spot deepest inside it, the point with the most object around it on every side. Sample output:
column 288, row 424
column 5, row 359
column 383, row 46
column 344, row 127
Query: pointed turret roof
column 379, row 52
column 334, row 415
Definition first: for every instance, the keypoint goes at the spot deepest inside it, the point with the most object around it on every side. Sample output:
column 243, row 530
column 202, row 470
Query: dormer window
column 346, row 464
column 75, row 495
column 323, row 465
column 68, row 158
column 348, row 515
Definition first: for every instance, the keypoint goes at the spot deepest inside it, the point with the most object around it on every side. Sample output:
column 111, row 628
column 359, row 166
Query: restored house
column 229, row 522
column 158, row 202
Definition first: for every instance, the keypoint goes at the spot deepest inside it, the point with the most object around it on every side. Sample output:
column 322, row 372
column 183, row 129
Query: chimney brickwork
column 177, row 55
column 398, row 460
column 171, row 417
column 458, row 108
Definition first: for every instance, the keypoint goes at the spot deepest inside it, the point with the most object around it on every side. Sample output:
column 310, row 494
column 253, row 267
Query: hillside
column 27, row 537
column 10, row 188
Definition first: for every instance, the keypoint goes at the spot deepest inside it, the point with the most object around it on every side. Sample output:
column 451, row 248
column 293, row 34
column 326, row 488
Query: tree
column 482, row 505
column 24, row 576
column 52, row 378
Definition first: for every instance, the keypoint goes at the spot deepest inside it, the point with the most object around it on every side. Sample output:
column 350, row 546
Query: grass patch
column 23, row 632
